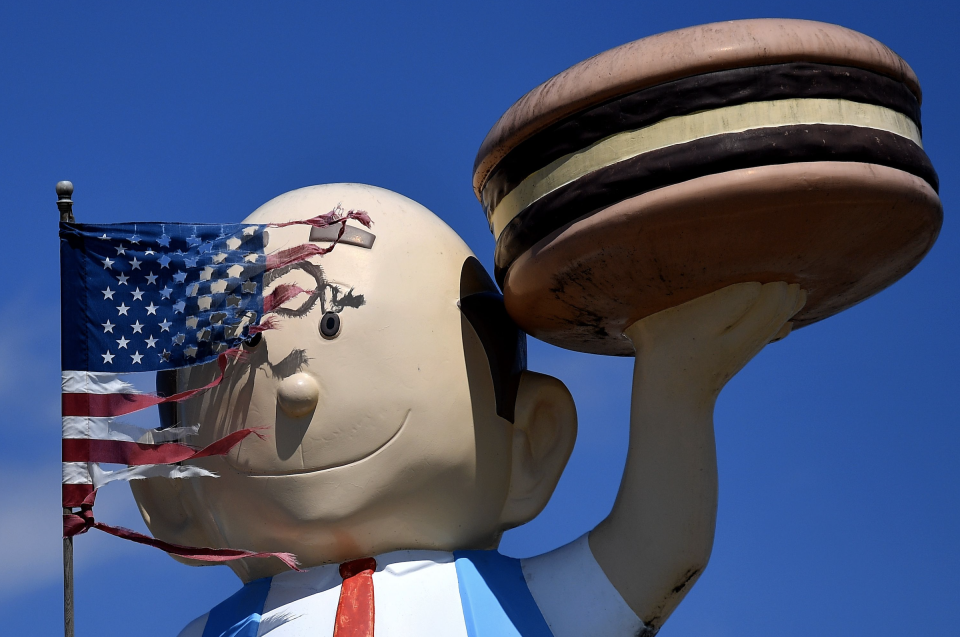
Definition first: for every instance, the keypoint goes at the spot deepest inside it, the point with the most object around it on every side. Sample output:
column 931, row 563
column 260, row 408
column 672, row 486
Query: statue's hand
column 700, row 345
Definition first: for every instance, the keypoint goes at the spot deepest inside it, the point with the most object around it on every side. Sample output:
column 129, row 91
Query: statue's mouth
column 247, row 468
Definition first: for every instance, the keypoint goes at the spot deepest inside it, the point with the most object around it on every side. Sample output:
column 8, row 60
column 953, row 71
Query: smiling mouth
column 291, row 472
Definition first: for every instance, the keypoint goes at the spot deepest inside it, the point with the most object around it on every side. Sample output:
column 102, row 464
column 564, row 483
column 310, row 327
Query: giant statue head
column 392, row 399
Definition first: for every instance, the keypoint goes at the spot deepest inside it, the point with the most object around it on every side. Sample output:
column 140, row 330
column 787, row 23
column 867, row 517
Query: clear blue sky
column 838, row 447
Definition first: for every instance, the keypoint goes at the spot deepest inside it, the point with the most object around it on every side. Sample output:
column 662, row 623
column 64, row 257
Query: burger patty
column 871, row 119
column 715, row 154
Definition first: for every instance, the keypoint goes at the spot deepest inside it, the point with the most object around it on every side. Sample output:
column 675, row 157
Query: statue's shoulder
column 574, row 595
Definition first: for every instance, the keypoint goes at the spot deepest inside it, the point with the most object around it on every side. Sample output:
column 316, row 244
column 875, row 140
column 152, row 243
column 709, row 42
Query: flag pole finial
column 64, row 201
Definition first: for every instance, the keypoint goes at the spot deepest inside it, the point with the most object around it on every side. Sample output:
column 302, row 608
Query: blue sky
column 838, row 447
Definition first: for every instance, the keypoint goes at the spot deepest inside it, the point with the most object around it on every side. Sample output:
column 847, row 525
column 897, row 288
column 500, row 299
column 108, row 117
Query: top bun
column 678, row 54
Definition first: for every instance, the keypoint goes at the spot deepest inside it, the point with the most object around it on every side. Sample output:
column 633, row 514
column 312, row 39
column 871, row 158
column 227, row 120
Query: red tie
column 355, row 610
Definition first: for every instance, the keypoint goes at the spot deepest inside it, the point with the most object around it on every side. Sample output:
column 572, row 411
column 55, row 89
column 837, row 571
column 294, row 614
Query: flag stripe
column 80, row 382
column 112, row 429
column 135, row 453
column 107, row 405
column 75, row 494
column 90, row 473
column 123, row 452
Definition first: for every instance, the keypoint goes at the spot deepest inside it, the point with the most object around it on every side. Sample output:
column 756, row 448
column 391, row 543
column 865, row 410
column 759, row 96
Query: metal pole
column 65, row 204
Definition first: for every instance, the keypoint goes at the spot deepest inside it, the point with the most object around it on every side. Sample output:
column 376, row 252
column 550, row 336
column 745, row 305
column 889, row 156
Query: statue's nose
column 298, row 395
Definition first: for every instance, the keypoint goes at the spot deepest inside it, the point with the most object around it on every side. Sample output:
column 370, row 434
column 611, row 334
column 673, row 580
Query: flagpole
column 65, row 204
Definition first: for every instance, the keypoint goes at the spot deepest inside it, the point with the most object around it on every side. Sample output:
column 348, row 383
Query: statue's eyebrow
column 352, row 235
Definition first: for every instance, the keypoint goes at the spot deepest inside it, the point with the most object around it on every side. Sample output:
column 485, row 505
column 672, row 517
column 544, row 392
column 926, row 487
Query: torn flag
column 141, row 298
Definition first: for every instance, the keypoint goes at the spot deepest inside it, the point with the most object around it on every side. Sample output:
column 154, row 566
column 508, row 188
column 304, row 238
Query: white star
column 137, row 328
column 104, row 237
column 123, row 279
column 108, row 293
column 151, row 342
column 164, row 261
column 149, row 252
column 135, row 265
column 121, row 250
column 107, row 358
column 152, row 309
column 107, row 264
column 134, row 239
column 151, row 279
column 137, row 294
column 122, row 343
column 108, row 327
column 165, row 326
column 136, row 357
column 165, row 292
column 122, row 309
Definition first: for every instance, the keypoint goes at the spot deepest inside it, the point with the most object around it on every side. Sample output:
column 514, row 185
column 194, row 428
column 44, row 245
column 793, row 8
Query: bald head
column 376, row 395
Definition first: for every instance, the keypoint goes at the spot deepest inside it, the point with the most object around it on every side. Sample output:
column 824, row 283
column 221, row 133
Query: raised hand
column 703, row 343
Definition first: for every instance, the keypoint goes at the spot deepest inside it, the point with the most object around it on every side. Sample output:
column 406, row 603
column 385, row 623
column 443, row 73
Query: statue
column 404, row 432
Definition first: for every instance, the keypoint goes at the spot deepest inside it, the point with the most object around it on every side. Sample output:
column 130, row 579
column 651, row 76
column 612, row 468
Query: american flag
column 144, row 298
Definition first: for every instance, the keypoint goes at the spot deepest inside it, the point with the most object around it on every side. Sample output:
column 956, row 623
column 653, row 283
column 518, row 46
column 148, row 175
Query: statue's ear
column 544, row 432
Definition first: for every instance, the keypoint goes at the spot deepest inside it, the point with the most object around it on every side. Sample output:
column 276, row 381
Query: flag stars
column 122, row 279
column 165, row 355
column 179, row 339
column 121, row 249
column 108, row 293
column 135, row 264
column 178, row 307
column 164, row 261
column 107, row 327
column 180, row 277
column 107, row 358
column 123, row 342
column 135, row 239
column 137, row 328
column 152, row 309
column 164, row 240
column 165, row 292
column 122, row 309
column 151, row 279
column 151, row 342
column 137, row 294
column 108, row 263
column 137, row 357
column 149, row 252
column 165, row 326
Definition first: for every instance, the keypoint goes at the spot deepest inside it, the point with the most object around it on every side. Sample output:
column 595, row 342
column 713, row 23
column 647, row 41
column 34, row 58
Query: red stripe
column 75, row 524
column 135, row 453
column 76, row 494
column 297, row 254
column 283, row 293
column 328, row 219
column 105, row 405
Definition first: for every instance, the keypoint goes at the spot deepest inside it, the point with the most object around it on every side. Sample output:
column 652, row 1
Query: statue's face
column 380, row 433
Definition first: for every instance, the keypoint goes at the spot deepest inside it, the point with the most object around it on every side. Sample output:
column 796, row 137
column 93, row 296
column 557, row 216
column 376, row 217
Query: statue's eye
column 330, row 325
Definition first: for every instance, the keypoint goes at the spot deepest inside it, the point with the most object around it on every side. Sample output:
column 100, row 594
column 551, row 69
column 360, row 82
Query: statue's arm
column 657, row 540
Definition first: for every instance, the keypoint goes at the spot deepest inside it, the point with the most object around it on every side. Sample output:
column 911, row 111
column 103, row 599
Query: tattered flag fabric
column 149, row 297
